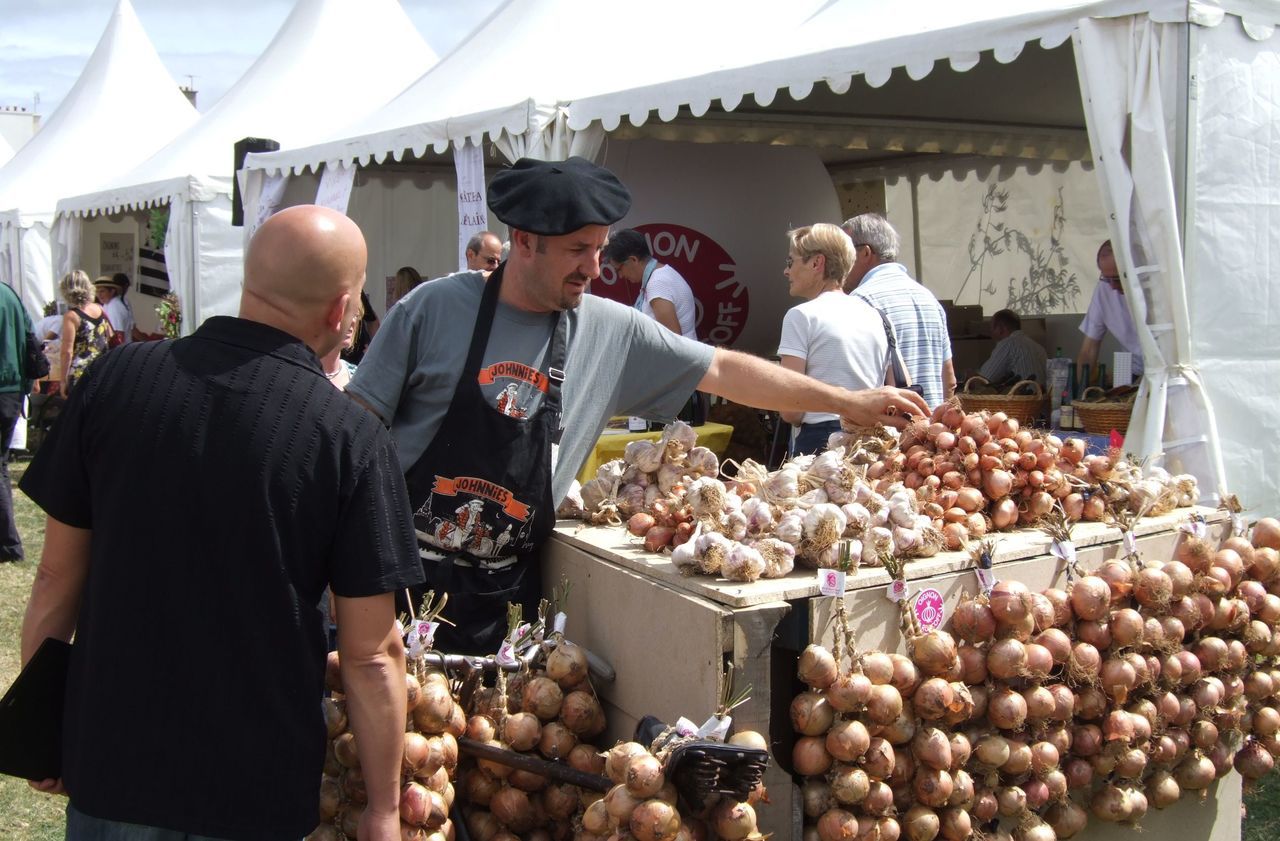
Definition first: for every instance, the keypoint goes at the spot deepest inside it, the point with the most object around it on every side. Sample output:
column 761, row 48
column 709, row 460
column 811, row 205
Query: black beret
column 553, row 198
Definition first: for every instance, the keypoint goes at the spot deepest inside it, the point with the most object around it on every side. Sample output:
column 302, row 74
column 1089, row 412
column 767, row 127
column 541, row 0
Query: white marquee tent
column 1170, row 101
column 330, row 60
column 122, row 108
column 1178, row 101
column 509, row 77
column 6, row 151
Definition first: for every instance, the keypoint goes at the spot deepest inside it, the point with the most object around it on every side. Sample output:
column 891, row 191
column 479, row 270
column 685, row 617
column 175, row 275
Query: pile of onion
column 1139, row 684
column 942, row 482
column 550, row 712
column 434, row 723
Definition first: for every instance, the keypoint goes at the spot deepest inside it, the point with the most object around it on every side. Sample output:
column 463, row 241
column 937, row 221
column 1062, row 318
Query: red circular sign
column 722, row 298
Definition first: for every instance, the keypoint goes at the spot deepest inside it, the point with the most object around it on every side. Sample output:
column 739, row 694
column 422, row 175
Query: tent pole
column 1184, row 152
column 915, row 227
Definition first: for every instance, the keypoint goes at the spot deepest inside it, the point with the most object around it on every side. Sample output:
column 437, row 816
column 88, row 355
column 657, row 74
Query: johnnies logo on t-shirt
column 517, row 398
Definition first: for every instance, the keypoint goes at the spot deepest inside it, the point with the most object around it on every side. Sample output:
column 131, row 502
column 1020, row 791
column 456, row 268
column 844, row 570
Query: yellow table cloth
column 713, row 436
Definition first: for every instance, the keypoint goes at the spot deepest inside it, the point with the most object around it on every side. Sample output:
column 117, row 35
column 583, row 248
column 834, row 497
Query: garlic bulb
column 790, row 527
column 743, row 563
column 759, row 515
column 701, row 461
column 779, row 556
column 631, row 499
column 706, row 497
column 645, row 455
column 817, row 496
column 711, row 550
column 678, row 439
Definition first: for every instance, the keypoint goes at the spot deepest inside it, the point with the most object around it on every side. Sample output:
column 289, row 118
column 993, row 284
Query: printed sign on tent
column 115, row 253
column 269, row 199
column 335, row 185
column 473, row 217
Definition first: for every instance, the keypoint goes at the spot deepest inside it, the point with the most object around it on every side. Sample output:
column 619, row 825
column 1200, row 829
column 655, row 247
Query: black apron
column 482, row 493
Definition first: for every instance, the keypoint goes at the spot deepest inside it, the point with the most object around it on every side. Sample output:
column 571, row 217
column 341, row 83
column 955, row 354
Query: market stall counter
column 669, row 635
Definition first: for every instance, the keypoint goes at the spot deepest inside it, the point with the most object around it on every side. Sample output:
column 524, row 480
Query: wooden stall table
column 668, row 637
column 713, row 436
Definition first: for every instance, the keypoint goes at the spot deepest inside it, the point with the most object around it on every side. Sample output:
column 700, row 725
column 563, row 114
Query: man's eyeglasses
column 1114, row 280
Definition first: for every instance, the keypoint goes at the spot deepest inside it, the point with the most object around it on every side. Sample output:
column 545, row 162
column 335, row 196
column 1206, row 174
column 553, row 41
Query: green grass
column 1262, row 810
column 24, row 813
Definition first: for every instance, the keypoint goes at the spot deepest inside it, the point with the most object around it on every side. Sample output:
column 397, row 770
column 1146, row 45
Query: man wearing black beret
column 496, row 392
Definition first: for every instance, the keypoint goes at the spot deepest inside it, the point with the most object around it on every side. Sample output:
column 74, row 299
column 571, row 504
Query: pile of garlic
column 761, row 523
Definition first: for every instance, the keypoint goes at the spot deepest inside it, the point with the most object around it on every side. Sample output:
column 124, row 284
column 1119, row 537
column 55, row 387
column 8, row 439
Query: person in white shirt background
column 110, row 292
column 832, row 337
column 664, row 295
column 1108, row 313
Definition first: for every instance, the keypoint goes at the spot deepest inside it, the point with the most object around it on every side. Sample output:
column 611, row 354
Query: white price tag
column 1130, row 541
column 986, row 578
column 1195, row 526
column 1239, row 526
column 1064, row 550
column 715, row 728
column 685, row 727
column 507, row 654
column 559, row 622
column 897, row 591
column 831, row 582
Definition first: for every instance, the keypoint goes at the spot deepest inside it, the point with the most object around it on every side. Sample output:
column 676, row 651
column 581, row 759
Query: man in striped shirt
column 915, row 314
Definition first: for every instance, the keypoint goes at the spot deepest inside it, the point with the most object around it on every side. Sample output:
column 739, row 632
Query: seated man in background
column 1016, row 355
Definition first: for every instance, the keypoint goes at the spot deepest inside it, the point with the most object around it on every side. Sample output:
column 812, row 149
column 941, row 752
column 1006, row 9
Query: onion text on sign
column 723, row 301
column 929, row 610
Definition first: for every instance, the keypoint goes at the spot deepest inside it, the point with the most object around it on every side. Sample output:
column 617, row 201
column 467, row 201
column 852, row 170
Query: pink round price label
column 929, row 609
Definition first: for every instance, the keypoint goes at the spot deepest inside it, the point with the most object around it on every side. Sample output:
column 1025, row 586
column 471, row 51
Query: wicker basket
column 1099, row 417
column 1024, row 407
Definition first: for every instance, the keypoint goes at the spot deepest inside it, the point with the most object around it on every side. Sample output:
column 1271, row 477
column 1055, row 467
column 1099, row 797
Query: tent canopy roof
column 529, row 53
column 794, row 64
column 122, row 108
column 329, row 60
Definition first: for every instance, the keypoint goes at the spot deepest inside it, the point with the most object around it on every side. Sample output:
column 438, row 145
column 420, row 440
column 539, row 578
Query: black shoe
column 4, row 559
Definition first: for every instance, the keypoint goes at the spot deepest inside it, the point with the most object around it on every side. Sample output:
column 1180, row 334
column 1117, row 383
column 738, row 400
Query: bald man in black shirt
column 200, row 495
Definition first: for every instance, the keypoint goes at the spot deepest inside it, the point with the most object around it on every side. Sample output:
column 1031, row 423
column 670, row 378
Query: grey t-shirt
column 619, row 362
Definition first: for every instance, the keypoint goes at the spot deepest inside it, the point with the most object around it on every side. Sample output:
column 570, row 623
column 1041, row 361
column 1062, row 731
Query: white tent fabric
column 25, row 260
column 6, row 151
column 502, row 80
column 331, row 59
column 1232, row 250
column 1128, row 74
column 122, row 108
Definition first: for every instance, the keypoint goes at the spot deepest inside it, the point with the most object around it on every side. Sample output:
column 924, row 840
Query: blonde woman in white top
column 832, row 337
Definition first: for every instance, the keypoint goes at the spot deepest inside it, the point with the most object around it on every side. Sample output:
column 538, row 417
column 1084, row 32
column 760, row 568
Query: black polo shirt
column 226, row 483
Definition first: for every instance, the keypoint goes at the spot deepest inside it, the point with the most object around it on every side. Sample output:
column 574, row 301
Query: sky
column 44, row 44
